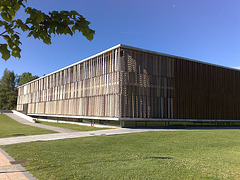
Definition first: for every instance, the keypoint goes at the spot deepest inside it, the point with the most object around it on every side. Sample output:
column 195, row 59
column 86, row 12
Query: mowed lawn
column 205, row 154
column 11, row 128
column 71, row 126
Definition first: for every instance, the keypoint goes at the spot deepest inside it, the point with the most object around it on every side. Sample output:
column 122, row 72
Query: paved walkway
column 24, row 121
column 64, row 133
column 9, row 170
column 56, row 136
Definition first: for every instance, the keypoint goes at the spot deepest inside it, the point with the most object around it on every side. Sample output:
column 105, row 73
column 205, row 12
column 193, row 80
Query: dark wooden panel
column 203, row 91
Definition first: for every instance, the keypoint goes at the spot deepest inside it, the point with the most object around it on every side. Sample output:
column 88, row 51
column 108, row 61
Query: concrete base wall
column 5, row 111
column 129, row 124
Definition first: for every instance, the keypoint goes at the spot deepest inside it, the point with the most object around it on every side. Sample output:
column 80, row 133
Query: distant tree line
column 8, row 88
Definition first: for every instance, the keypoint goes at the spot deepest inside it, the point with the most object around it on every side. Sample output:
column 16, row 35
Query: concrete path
column 23, row 121
column 56, row 136
column 11, row 170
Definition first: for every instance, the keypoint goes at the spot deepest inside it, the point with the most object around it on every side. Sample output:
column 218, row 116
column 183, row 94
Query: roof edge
column 132, row 48
column 102, row 52
column 173, row 56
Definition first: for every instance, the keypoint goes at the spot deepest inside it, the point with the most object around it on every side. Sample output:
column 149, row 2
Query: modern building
column 136, row 87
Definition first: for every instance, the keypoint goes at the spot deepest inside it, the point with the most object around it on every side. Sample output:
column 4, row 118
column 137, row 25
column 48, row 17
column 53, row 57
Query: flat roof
column 81, row 61
column 132, row 48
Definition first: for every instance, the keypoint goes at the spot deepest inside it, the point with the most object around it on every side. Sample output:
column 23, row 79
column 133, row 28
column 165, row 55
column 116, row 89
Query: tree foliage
column 38, row 25
column 8, row 92
column 26, row 77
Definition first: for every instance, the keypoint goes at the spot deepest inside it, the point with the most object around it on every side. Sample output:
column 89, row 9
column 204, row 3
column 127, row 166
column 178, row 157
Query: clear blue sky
column 205, row 30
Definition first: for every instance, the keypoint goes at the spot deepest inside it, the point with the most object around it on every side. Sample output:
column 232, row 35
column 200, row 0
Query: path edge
column 18, row 166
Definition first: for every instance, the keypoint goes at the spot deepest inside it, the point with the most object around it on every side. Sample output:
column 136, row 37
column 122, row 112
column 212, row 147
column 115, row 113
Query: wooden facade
column 204, row 91
column 130, row 83
column 89, row 88
column 146, row 85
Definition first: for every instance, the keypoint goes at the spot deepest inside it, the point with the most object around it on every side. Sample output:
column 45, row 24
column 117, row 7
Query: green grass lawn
column 71, row 126
column 205, row 154
column 11, row 128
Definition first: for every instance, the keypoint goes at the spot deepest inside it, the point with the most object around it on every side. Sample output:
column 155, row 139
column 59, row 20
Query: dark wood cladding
column 203, row 91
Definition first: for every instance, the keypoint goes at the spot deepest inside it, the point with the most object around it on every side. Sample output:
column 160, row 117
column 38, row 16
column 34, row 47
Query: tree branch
column 3, row 33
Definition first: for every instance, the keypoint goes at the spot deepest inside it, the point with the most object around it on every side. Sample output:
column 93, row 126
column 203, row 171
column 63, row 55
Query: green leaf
column 17, row 6
column 47, row 40
column 6, row 37
column 39, row 17
column 9, row 29
column 11, row 13
column 15, row 36
column 52, row 30
column 16, row 48
column 89, row 35
column 29, row 20
column 34, row 33
column 4, row 51
column 74, row 28
column 75, row 13
column 67, row 30
column 5, row 16
column 1, row 23
column 28, row 10
column 64, row 12
column 20, row 24
column 60, row 29
column 30, row 34
column 24, row 27
column 70, row 22
column 21, row 4
column 16, row 54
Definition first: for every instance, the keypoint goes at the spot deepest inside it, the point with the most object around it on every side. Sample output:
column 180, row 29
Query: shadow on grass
column 18, row 135
column 158, row 158
column 132, row 159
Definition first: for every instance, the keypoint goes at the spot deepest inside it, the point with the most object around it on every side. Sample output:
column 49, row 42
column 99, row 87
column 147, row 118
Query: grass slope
column 209, row 154
column 11, row 128
column 71, row 126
